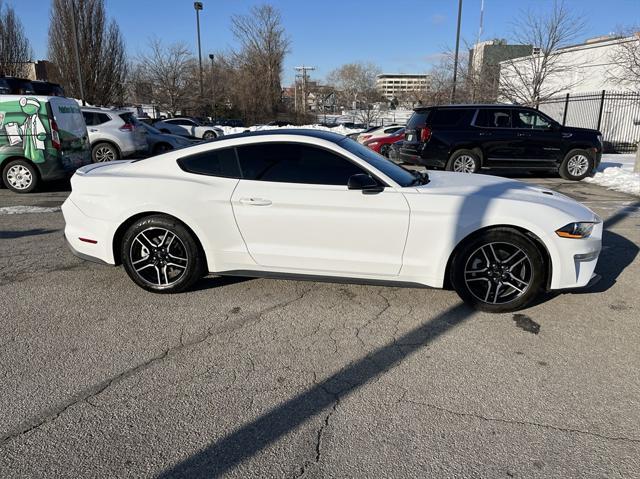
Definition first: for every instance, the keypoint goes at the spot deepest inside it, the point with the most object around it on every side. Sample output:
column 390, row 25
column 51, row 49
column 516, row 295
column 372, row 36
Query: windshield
column 396, row 173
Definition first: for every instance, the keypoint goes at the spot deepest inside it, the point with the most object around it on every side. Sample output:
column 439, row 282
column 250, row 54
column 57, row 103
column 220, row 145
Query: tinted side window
column 449, row 117
column 89, row 118
column 212, row 163
column 294, row 163
column 102, row 118
column 531, row 120
column 494, row 118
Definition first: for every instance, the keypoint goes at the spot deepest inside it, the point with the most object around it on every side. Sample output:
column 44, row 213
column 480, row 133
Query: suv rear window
column 449, row 116
column 418, row 119
column 128, row 118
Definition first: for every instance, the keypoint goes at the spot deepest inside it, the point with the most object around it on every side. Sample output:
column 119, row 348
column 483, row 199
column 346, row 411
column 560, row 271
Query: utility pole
column 77, row 50
column 198, row 6
column 455, row 58
column 304, row 69
column 213, row 88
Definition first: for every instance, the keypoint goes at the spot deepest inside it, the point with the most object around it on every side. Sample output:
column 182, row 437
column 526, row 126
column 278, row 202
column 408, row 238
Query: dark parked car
column 47, row 88
column 466, row 138
column 16, row 86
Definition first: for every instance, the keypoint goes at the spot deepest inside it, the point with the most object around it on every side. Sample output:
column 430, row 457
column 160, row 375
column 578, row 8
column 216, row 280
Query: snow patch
column 21, row 210
column 230, row 130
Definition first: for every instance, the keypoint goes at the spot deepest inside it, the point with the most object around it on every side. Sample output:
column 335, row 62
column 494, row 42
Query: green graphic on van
column 25, row 126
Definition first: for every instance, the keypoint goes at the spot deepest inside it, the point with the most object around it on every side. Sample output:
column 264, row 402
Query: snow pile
column 616, row 173
column 20, row 210
column 230, row 130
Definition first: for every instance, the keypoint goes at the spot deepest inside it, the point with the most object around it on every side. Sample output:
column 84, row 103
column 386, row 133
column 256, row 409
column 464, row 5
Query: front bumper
column 576, row 261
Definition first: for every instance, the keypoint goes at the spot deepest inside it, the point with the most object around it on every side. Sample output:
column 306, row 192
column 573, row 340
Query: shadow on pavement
column 221, row 456
column 23, row 233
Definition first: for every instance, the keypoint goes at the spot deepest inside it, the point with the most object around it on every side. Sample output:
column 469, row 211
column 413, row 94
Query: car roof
column 104, row 110
column 321, row 134
column 470, row 105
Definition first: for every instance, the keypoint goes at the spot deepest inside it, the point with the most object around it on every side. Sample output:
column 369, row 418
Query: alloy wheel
column 159, row 257
column 498, row 273
column 578, row 165
column 105, row 153
column 464, row 164
column 19, row 177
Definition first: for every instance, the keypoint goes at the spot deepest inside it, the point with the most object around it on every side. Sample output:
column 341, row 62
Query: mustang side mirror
column 364, row 182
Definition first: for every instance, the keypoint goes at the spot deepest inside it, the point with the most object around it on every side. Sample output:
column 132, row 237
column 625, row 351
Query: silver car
column 114, row 134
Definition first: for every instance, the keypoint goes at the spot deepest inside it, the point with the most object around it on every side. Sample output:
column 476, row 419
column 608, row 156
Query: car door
column 295, row 212
column 497, row 138
column 542, row 143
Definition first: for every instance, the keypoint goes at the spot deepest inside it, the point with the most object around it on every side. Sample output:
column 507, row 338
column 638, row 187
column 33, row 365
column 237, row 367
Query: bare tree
column 15, row 50
column 167, row 76
column 103, row 60
column 355, row 86
column 626, row 58
column 259, row 61
column 542, row 74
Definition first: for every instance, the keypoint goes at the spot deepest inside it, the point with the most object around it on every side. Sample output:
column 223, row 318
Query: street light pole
column 198, row 7
column 455, row 58
column 213, row 88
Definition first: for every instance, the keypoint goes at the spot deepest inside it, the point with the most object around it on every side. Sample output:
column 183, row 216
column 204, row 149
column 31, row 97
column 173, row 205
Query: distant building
column 39, row 70
column 484, row 65
column 587, row 67
column 392, row 85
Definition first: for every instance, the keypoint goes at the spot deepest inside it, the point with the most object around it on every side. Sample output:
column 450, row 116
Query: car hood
column 482, row 187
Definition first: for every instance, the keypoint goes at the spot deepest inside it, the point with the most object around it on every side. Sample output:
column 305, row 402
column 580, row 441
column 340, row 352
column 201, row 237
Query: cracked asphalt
column 269, row 378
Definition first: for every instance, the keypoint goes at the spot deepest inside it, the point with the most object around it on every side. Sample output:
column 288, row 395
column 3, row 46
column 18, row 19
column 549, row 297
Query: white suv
column 188, row 127
column 114, row 134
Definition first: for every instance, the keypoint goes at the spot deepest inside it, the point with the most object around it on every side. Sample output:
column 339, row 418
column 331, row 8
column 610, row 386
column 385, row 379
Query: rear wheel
column 161, row 255
column 498, row 271
column 209, row 135
column 102, row 152
column 464, row 161
column 20, row 176
column 576, row 165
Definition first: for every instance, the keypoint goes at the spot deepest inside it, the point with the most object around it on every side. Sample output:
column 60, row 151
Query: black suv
column 466, row 138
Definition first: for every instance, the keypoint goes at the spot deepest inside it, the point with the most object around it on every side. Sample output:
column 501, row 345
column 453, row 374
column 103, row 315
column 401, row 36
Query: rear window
column 449, row 117
column 418, row 119
column 128, row 118
column 212, row 163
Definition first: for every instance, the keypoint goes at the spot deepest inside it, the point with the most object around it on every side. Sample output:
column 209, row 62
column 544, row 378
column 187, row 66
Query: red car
column 381, row 144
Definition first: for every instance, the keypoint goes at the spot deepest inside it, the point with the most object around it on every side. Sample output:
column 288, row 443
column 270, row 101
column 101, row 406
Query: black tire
column 103, row 151
column 20, row 176
column 467, row 160
column 161, row 148
column 577, row 164
column 384, row 150
column 209, row 135
column 170, row 264
column 504, row 286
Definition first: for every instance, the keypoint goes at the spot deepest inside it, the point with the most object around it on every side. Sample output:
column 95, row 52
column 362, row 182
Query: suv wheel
column 161, row 255
column 464, row 161
column 498, row 271
column 20, row 176
column 576, row 165
column 384, row 150
column 102, row 152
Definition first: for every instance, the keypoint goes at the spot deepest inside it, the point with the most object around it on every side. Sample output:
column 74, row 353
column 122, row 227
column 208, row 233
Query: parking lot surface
column 269, row 378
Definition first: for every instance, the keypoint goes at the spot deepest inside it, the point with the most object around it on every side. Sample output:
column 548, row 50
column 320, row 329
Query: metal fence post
column 600, row 112
column 566, row 106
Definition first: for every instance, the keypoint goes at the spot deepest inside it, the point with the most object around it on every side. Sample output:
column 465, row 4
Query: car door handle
column 524, row 134
column 255, row 201
column 485, row 133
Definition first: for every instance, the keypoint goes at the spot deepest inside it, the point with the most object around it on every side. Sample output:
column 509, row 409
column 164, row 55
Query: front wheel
column 209, row 135
column 576, row 165
column 161, row 255
column 464, row 161
column 102, row 152
column 20, row 176
column 498, row 271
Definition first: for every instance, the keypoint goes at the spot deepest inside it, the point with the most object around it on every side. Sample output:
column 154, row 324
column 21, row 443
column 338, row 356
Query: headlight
column 576, row 230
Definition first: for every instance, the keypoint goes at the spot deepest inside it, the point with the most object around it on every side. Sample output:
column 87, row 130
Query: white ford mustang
column 316, row 205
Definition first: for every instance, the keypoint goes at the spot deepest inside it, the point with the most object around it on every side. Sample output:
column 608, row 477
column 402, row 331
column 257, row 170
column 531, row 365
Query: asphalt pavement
column 273, row 378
